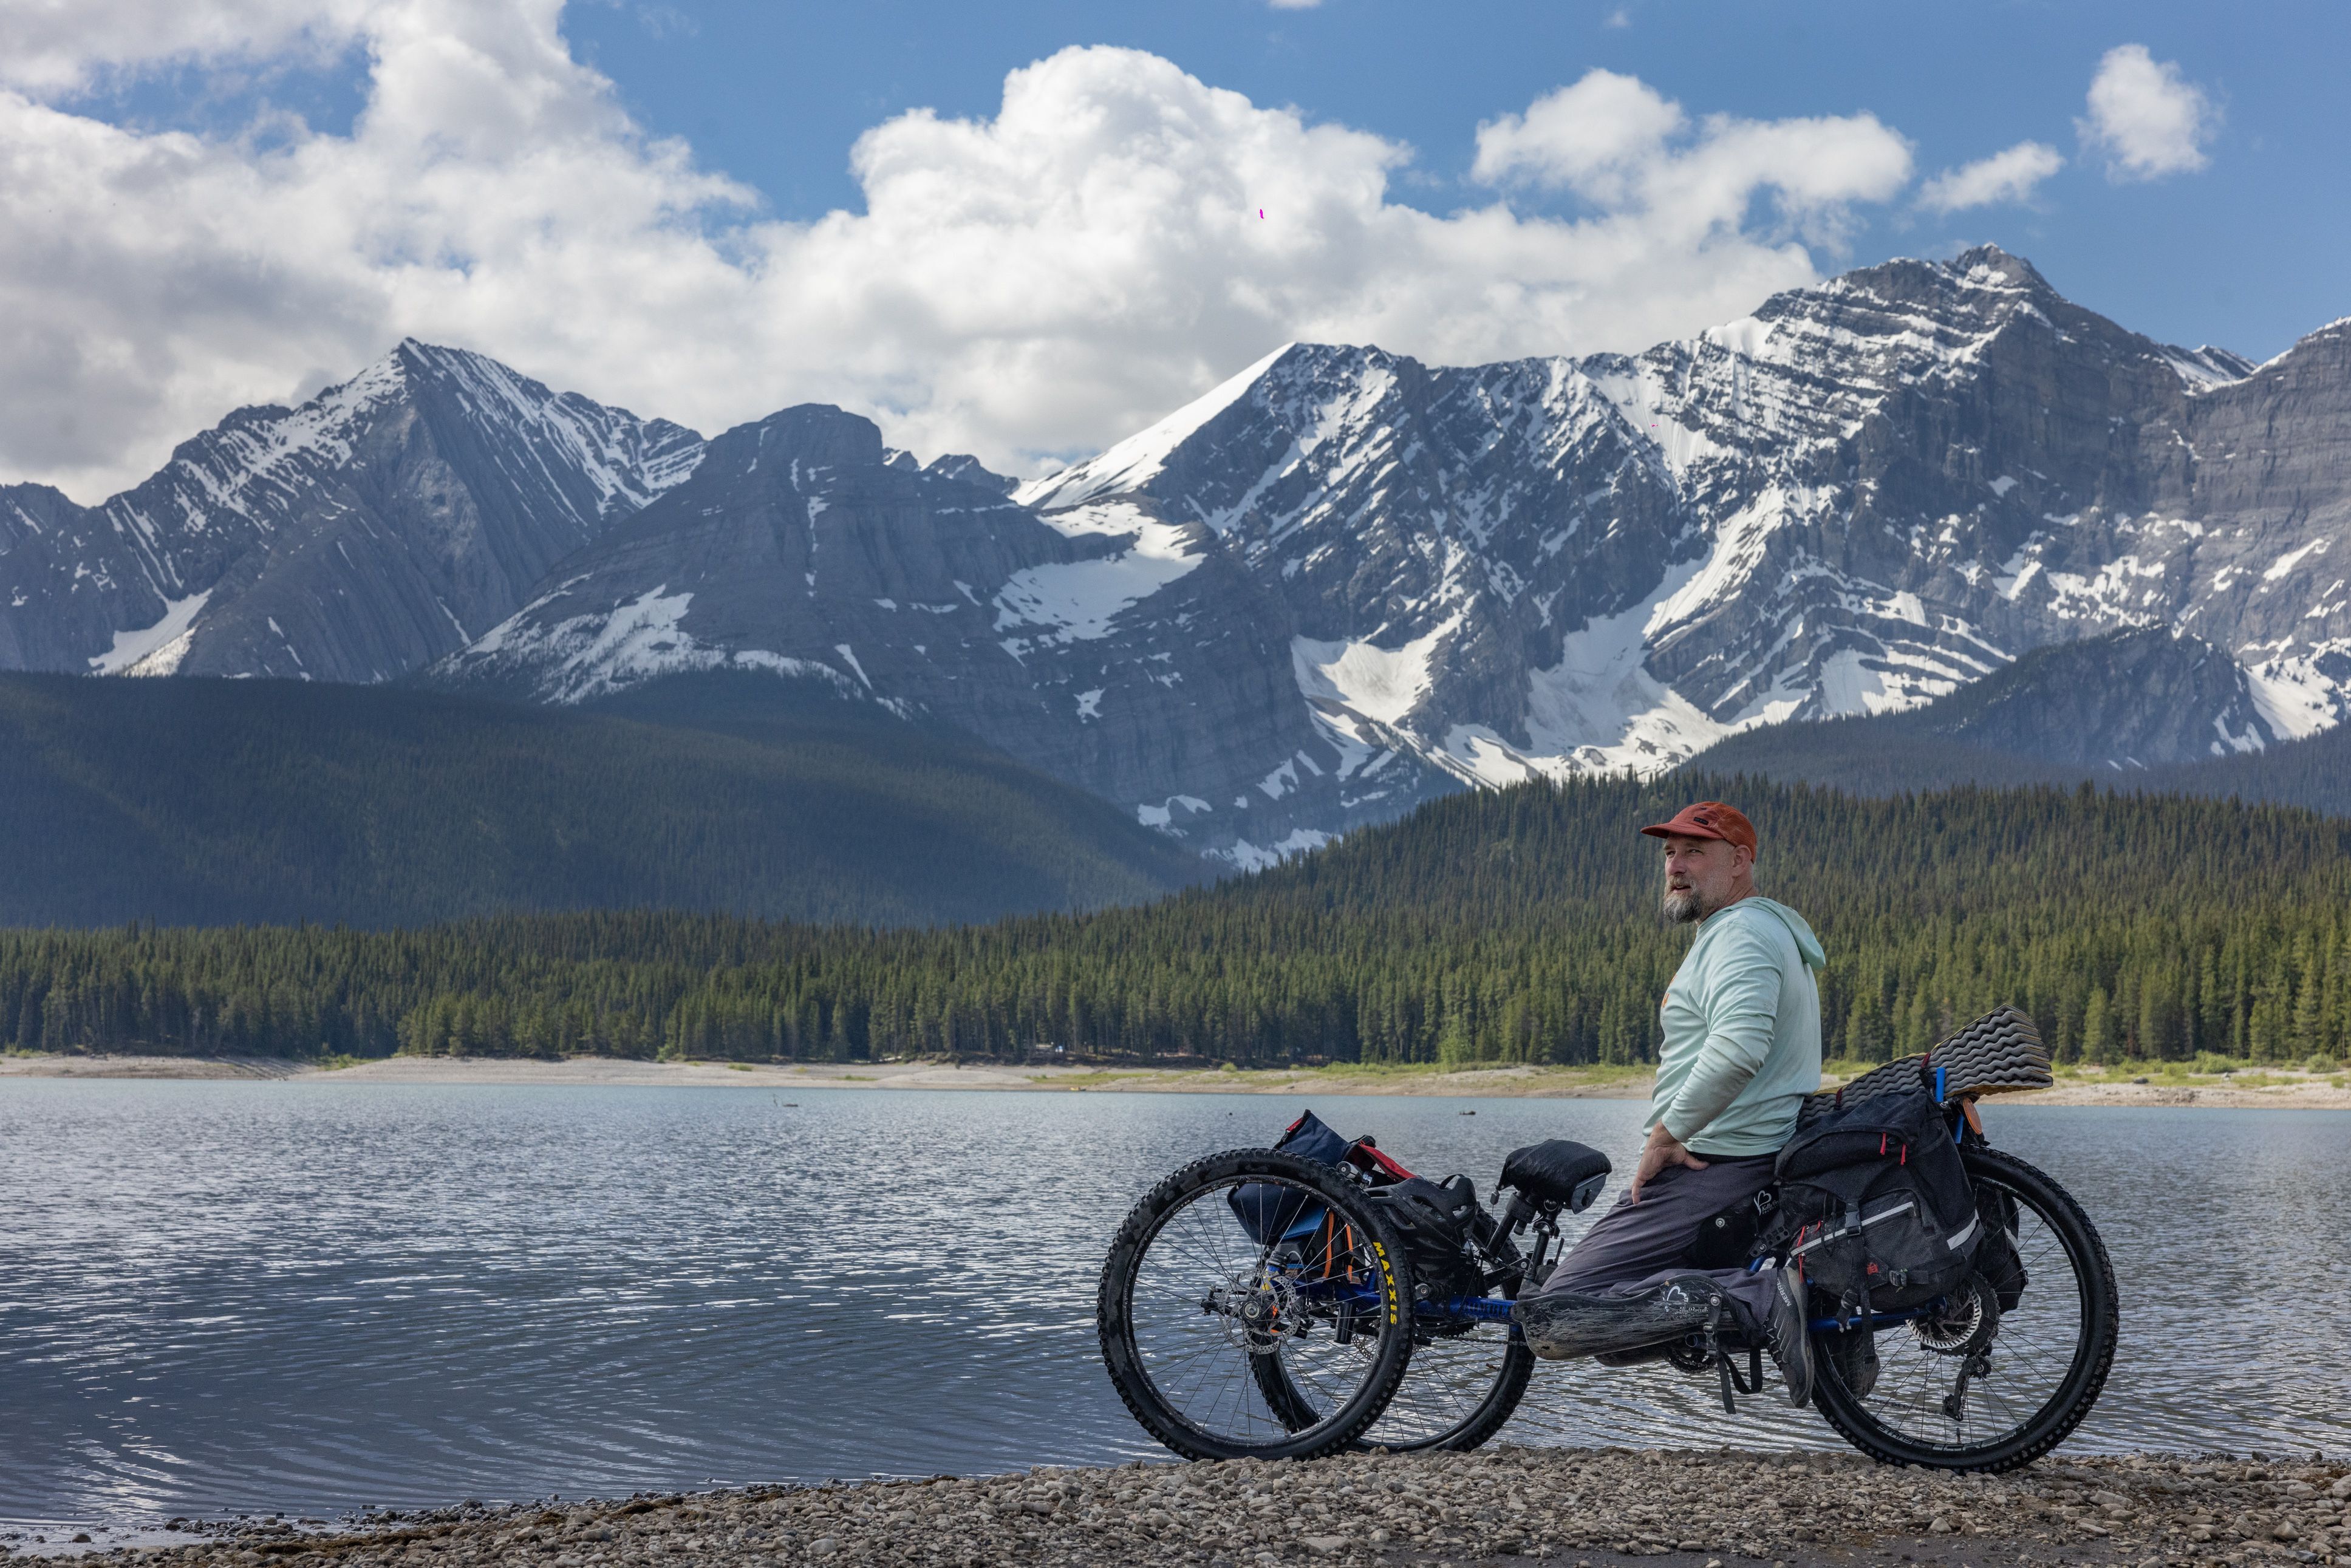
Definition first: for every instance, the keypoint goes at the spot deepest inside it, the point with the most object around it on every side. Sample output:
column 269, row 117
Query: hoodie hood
column 1806, row 943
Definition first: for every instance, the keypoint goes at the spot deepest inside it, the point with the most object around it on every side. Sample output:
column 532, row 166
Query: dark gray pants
column 1635, row 1245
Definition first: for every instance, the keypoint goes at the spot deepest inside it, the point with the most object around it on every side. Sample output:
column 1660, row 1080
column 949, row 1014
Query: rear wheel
column 1464, row 1385
column 1239, row 1259
column 2016, row 1360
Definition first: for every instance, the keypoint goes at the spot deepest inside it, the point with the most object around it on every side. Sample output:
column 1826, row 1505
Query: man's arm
column 1742, row 1007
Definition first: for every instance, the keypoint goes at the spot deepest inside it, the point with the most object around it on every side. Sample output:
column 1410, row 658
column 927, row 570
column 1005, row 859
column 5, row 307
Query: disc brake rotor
column 1261, row 1312
column 1969, row 1324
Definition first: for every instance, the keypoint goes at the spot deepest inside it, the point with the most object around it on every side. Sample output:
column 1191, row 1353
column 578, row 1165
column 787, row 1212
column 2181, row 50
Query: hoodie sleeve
column 1741, row 1004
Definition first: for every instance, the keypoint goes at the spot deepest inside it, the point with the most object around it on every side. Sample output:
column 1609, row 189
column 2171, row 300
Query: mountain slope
column 1338, row 585
column 268, row 801
column 383, row 523
column 803, row 548
column 2143, row 711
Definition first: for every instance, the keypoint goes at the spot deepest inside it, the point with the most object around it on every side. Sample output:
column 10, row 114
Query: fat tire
column 1114, row 1323
column 2101, row 1315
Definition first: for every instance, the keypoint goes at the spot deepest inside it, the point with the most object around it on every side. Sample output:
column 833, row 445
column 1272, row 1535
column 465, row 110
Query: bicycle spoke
column 2019, row 1373
column 1200, row 1266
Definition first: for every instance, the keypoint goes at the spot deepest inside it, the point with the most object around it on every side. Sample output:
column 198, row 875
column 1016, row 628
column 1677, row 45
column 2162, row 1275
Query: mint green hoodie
column 1742, row 1021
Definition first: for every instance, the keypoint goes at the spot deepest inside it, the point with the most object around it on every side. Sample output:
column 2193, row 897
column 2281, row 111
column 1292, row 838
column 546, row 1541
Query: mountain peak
column 816, row 434
column 1987, row 265
column 1128, row 464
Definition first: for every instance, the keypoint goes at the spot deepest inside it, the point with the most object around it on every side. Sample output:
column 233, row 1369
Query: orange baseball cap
column 1707, row 820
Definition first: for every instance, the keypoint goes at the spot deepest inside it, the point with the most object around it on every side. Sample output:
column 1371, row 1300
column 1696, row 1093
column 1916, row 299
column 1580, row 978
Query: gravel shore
column 1548, row 1505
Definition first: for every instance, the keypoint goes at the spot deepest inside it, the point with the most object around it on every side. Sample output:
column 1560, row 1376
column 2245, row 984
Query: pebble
column 1556, row 1506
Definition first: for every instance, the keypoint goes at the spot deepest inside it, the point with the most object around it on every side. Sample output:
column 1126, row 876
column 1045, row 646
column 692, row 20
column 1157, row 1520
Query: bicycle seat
column 1558, row 1173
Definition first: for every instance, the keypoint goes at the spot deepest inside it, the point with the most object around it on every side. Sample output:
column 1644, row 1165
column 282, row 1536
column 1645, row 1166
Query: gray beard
column 1681, row 908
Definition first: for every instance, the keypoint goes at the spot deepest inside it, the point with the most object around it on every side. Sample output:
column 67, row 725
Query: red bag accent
column 1364, row 1156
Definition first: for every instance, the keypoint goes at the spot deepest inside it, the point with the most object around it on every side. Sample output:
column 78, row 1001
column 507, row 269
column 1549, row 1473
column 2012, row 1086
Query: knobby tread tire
column 1500, row 1404
column 1492, row 1414
column 1113, row 1301
column 2101, row 1311
column 1518, row 1369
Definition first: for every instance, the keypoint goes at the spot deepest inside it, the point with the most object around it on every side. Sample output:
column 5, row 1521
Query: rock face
column 386, row 522
column 1139, row 658
column 2129, row 701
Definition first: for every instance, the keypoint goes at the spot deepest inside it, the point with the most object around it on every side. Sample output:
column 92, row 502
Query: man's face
column 1701, row 876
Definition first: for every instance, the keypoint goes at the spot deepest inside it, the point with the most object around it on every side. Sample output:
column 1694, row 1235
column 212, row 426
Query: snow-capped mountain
column 1864, row 496
column 385, row 522
column 1337, row 584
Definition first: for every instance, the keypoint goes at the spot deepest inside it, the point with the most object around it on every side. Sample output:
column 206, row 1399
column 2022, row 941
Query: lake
column 246, row 1297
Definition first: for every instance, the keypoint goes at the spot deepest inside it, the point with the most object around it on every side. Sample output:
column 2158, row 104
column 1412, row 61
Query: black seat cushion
column 1551, row 1172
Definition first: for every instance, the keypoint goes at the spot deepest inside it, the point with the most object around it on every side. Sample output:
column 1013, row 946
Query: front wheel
column 2012, row 1364
column 1243, row 1257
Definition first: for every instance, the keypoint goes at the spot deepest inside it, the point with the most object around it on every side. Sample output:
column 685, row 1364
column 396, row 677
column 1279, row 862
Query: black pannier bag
column 1997, row 1259
column 1875, row 1206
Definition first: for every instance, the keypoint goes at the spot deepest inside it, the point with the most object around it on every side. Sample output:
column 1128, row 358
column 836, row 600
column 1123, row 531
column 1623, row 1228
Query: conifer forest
column 1518, row 925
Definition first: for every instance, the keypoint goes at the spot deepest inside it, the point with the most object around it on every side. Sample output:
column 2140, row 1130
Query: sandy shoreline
column 1592, row 1509
column 2276, row 1089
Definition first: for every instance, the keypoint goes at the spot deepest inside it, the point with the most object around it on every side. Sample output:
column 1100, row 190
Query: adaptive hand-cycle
column 1257, row 1304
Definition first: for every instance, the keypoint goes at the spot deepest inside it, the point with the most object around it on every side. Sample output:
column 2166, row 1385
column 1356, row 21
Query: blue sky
column 2249, row 253
column 1025, row 230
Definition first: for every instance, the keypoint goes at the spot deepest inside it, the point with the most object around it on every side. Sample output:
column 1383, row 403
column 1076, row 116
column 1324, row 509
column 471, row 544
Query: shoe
column 1855, row 1355
column 1571, row 1323
column 1788, row 1337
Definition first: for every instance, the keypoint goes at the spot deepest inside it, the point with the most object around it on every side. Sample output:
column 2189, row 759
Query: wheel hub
column 1966, row 1324
column 1261, row 1312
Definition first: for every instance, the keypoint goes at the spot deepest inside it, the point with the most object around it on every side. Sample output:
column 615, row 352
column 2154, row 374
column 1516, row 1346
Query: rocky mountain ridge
column 1343, row 580
column 381, row 524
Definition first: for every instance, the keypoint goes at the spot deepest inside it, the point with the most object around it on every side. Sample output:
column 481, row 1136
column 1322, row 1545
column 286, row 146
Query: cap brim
column 1682, row 831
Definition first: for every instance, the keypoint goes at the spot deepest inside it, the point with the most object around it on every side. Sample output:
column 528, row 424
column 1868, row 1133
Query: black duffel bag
column 1875, row 1206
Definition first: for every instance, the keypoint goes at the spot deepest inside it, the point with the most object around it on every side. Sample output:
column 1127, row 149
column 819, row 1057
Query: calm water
column 255, row 1296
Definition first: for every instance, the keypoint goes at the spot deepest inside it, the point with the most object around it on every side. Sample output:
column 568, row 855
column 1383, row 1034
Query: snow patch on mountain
column 600, row 652
column 1066, row 601
column 155, row 650
column 1247, row 856
column 2292, row 688
column 1381, row 683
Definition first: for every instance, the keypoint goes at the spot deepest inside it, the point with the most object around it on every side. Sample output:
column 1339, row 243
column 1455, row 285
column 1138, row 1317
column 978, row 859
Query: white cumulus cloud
column 2007, row 176
column 1619, row 143
column 1039, row 282
column 2146, row 118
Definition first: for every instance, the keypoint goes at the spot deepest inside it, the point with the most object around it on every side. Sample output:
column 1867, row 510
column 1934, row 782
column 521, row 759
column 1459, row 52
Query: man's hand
column 1663, row 1149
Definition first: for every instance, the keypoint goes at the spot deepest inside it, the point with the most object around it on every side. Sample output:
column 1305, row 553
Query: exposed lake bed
column 2140, row 1084
column 310, row 1295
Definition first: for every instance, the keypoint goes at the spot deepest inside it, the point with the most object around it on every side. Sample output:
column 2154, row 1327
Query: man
column 1742, row 1048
